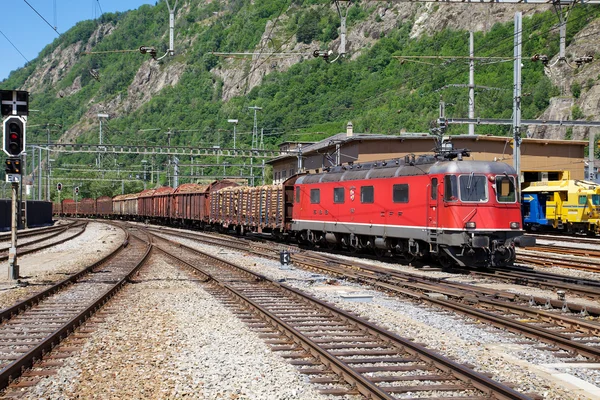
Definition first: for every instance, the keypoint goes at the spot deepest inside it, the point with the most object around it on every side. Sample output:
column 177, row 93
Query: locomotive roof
column 423, row 165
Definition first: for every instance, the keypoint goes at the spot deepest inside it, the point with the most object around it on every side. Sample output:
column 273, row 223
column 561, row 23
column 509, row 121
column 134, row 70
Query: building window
column 283, row 174
column 400, row 193
column 338, row 195
column 315, row 196
column 366, row 194
column 292, row 172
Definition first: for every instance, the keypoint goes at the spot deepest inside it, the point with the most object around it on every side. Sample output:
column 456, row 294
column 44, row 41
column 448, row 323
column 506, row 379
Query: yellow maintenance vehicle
column 570, row 206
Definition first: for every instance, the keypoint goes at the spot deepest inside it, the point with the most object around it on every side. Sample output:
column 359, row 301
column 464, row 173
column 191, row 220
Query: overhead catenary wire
column 496, row 45
column 100, row 7
column 263, row 45
column 13, row 45
column 45, row 20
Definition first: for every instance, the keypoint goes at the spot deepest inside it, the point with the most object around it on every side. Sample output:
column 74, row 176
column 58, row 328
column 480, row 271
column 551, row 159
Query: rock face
column 239, row 76
column 579, row 85
column 279, row 50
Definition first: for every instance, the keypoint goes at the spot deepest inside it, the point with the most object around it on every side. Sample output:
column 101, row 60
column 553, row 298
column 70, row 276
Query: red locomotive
column 463, row 213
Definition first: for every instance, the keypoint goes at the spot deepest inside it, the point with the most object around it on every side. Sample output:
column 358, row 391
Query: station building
column 541, row 159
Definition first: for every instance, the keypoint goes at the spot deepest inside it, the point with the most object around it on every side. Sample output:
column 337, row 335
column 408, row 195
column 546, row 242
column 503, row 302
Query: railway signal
column 14, row 135
column 13, row 166
column 59, row 186
column 76, row 190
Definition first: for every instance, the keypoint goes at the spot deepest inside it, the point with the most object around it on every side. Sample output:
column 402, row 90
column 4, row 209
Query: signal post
column 14, row 105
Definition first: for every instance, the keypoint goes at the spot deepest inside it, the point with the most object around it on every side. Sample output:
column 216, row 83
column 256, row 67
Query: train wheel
column 379, row 253
column 409, row 257
column 330, row 245
column 445, row 260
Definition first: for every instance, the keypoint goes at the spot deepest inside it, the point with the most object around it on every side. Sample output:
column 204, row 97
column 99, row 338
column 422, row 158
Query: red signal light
column 14, row 136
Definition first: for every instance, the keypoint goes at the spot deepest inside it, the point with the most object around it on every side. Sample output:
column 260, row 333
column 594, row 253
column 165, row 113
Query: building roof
column 492, row 138
column 344, row 138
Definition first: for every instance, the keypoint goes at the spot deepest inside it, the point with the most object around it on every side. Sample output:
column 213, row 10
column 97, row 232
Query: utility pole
column 169, row 133
column 40, row 174
column 171, row 27
column 255, row 128
column 592, row 146
column 13, row 267
column 471, row 83
column 99, row 160
column 517, row 95
column 175, row 172
column 234, row 122
column 254, row 141
column 262, row 143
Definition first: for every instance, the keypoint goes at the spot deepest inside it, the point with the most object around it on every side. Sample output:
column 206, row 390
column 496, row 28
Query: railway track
column 557, row 259
column 36, row 231
column 526, row 315
column 342, row 353
column 44, row 239
column 31, row 328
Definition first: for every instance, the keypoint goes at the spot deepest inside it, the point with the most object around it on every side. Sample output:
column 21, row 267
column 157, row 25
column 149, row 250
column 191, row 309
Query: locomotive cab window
column 596, row 199
column 400, row 193
column 450, row 188
column 367, row 194
column 297, row 194
column 582, row 200
column 505, row 189
column 315, row 196
column 434, row 188
column 473, row 187
column 338, row 195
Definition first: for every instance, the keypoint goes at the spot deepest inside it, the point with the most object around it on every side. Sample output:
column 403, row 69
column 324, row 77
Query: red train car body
column 161, row 202
column 462, row 213
column 57, row 208
column 87, row 207
column 68, row 207
column 104, row 206
column 144, row 203
column 189, row 203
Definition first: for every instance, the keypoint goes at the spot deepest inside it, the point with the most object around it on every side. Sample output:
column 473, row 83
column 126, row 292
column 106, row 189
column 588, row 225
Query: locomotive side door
column 432, row 204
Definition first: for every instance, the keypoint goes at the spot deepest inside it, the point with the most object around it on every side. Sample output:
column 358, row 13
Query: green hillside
column 308, row 102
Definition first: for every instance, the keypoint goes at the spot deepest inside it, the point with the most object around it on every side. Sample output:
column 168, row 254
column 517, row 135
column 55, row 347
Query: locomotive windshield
column 505, row 189
column 473, row 187
column 596, row 199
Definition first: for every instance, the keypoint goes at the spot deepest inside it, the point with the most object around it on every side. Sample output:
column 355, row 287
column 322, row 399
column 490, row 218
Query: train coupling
column 525, row 241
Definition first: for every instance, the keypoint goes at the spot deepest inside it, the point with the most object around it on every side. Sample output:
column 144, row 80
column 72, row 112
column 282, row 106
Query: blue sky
column 29, row 33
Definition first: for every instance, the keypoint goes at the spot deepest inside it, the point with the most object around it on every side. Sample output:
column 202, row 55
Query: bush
column 576, row 112
column 576, row 89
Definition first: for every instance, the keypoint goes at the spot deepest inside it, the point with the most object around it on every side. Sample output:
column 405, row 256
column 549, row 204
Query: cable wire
column 40, row 15
column 13, row 45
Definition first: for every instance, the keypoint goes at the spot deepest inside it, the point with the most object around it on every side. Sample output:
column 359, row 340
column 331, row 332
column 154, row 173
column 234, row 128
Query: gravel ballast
column 167, row 338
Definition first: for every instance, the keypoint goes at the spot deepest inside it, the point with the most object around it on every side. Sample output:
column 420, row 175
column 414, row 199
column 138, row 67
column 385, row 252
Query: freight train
column 565, row 206
column 457, row 212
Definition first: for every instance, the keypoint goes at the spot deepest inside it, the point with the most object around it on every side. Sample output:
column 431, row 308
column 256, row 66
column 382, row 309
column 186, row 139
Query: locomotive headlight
column 515, row 225
column 471, row 225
